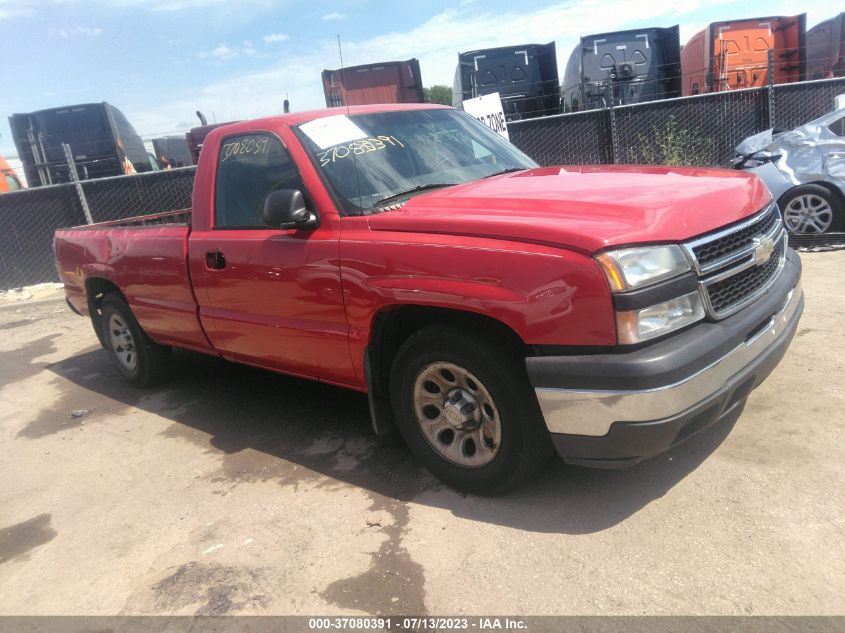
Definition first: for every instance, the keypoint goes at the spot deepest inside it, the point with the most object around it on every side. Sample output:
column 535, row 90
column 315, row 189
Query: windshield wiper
column 509, row 170
column 407, row 192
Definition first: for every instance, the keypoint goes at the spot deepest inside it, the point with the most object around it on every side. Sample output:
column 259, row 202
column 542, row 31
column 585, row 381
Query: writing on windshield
column 357, row 148
column 403, row 153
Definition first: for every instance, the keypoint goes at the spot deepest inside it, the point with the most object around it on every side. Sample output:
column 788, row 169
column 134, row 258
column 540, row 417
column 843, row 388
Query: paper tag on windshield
column 332, row 130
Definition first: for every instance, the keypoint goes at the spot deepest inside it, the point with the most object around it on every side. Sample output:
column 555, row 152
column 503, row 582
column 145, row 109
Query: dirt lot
column 232, row 490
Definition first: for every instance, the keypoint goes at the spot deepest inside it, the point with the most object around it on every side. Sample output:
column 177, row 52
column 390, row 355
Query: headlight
column 631, row 268
column 635, row 326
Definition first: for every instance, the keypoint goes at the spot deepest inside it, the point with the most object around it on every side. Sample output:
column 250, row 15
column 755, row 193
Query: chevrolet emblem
column 763, row 249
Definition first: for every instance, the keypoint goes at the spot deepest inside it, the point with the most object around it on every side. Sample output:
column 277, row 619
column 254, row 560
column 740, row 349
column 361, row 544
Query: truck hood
column 584, row 207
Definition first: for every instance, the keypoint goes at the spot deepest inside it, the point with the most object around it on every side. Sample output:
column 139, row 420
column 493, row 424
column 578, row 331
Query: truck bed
column 146, row 258
column 180, row 217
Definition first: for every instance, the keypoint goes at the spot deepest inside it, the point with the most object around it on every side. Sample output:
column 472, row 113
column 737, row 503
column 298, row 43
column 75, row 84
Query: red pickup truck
column 494, row 311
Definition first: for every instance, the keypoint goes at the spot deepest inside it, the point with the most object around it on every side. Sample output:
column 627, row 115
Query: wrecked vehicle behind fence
column 805, row 171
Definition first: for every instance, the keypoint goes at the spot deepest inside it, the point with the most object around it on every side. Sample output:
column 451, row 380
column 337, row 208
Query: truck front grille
column 738, row 264
column 747, row 283
column 713, row 251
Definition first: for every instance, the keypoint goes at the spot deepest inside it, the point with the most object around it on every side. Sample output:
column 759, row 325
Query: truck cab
column 524, row 76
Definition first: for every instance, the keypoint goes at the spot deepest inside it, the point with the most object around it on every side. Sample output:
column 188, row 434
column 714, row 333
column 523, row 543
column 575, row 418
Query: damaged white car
column 805, row 171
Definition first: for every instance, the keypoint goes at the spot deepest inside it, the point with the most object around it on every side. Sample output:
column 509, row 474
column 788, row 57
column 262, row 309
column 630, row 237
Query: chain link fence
column 702, row 130
column 29, row 217
column 27, row 221
column 156, row 192
column 579, row 138
column 797, row 104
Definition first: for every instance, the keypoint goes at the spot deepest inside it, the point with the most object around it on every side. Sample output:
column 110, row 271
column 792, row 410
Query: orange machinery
column 735, row 54
column 8, row 178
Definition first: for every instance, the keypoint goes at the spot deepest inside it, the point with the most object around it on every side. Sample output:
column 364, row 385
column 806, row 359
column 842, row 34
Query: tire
column 491, row 437
column 139, row 360
column 812, row 209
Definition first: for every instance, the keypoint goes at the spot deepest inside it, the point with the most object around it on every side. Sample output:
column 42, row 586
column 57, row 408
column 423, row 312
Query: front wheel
column 139, row 360
column 812, row 209
column 464, row 406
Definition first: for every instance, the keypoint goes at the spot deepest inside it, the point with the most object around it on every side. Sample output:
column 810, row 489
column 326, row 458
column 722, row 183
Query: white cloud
column 14, row 8
column 229, row 51
column 334, row 16
column 81, row 31
column 176, row 6
column 171, row 6
column 274, row 37
column 223, row 52
column 13, row 12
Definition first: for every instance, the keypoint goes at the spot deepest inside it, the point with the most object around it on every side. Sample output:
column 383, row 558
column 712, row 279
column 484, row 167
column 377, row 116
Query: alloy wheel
column 808, row 213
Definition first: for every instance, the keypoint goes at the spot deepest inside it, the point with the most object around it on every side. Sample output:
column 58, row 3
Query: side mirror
column 285, row 209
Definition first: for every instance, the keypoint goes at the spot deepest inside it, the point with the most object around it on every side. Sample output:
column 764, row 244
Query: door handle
column 215, row 260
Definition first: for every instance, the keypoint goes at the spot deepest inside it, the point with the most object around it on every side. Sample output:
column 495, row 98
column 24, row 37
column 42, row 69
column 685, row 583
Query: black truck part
column 826, row 49
column 173, row 151
column 525, row 77
column 622, row 67
column 100, row 137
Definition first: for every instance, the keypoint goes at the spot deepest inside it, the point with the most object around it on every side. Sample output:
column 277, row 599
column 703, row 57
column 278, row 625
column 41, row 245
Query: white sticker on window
column 332, row 130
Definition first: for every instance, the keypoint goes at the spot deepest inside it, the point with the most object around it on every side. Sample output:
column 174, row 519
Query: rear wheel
column 464, row 406
column 139, row 360
column 812, row 209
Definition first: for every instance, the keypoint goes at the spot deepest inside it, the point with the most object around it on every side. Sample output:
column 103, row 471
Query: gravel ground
column 236, row 491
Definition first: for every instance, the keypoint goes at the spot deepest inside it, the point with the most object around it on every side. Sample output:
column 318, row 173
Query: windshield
column 366, row 159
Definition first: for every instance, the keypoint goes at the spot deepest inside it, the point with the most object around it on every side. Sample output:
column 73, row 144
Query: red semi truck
column 492, row 310
column 385, row 82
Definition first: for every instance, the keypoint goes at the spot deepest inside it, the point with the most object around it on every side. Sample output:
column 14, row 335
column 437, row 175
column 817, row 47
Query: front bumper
column 614, row 410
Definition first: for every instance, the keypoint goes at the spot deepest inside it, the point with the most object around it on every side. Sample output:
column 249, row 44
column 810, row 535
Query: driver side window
column 249, row 168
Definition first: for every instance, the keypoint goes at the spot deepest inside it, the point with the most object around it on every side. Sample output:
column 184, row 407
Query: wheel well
column 835, row 191
column 832, row 189
column 393, row 326
column 96, row 290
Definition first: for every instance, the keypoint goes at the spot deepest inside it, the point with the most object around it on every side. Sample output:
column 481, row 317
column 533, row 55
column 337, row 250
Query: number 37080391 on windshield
column 357, row 148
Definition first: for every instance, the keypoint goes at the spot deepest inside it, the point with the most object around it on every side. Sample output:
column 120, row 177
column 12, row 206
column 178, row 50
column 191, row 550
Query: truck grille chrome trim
column 737, row 265
column 720, row 249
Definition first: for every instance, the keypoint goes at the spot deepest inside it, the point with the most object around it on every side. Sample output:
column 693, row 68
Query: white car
column 805, row 171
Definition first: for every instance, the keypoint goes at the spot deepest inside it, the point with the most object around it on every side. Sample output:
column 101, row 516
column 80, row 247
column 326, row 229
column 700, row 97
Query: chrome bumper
column 592, row 412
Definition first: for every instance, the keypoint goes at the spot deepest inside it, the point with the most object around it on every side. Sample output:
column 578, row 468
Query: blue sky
column 161, row 60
